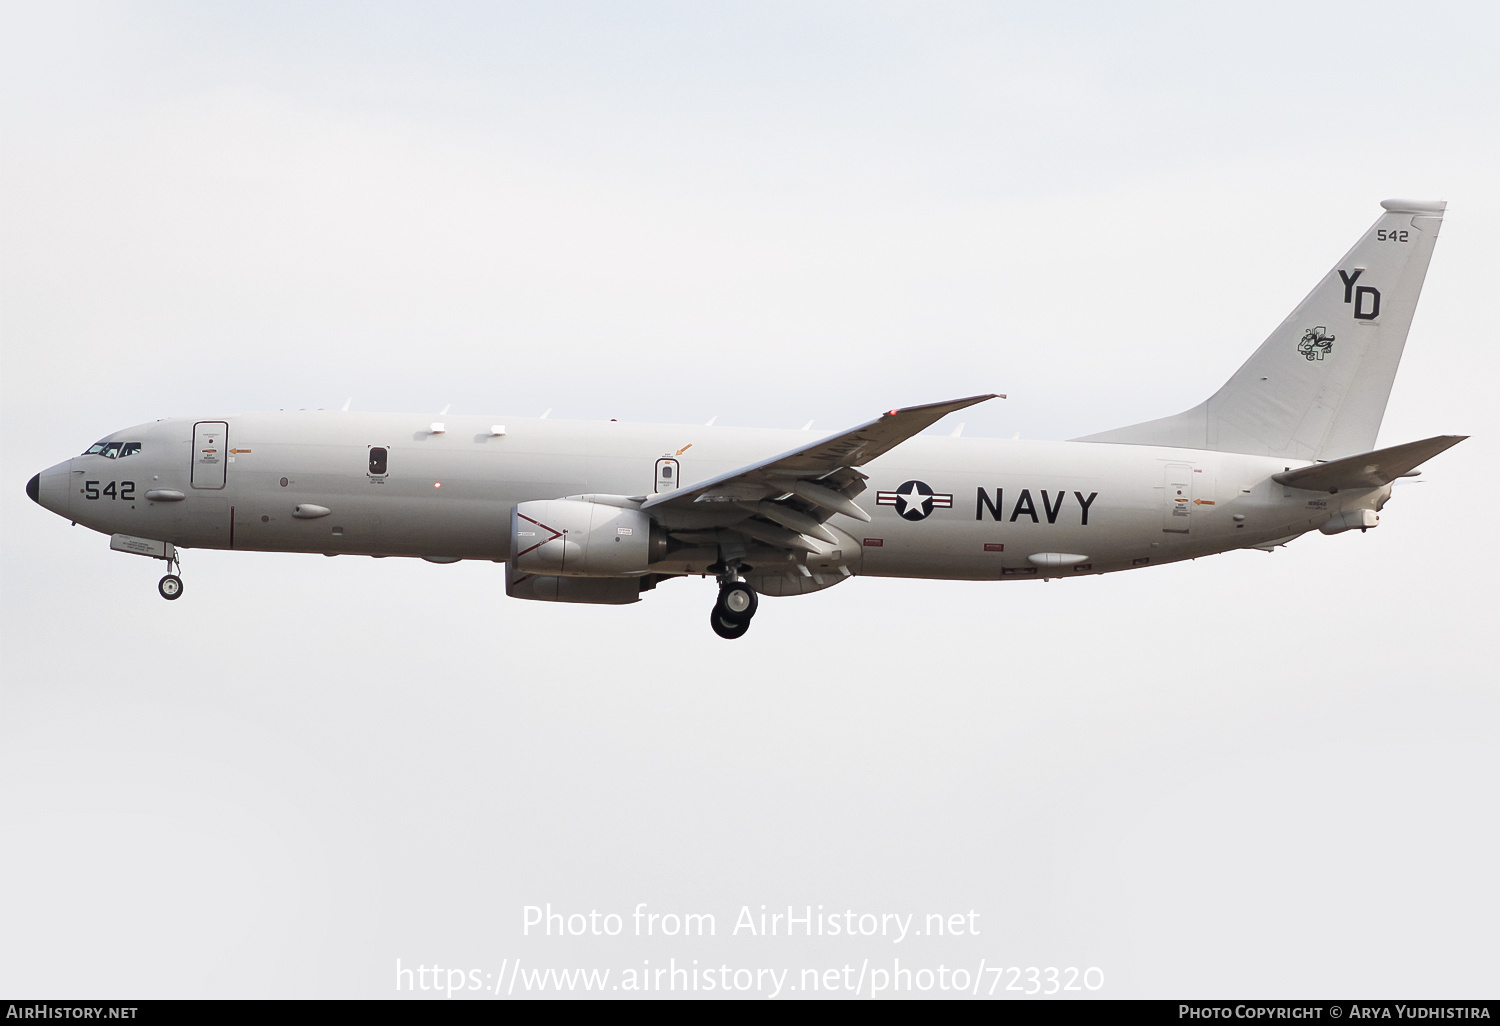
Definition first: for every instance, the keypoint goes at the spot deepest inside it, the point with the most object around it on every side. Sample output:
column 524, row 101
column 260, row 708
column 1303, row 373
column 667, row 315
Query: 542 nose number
column 125, row 490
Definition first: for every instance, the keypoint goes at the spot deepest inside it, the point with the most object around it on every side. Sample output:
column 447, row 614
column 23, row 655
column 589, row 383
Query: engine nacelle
column 578, row 538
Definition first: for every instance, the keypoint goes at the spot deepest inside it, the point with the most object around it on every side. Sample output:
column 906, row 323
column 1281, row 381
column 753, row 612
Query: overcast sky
column 1258, row 775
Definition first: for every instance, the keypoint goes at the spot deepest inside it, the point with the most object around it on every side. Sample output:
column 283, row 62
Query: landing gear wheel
column 727, row 628
column 170, row 587
column 737, row 603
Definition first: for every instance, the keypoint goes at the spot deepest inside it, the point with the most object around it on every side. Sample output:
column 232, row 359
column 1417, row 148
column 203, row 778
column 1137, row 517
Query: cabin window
column 377, row 461
column 113, row 450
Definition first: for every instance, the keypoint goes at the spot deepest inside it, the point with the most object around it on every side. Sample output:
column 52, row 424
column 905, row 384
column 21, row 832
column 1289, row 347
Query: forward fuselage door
column 210, row 453
column 1177, row 498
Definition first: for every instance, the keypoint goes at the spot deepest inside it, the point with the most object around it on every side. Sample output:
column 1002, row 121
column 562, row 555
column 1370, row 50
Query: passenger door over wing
column 667, row 473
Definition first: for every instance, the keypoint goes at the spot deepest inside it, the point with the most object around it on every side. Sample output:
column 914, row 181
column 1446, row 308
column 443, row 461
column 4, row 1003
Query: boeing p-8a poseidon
column 604, row 512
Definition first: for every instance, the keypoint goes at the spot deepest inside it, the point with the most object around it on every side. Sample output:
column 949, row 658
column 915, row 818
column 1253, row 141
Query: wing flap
column 813, row 482
column 851, row 448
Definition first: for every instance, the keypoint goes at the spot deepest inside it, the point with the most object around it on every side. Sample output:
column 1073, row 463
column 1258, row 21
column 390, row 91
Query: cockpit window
column 113, row 450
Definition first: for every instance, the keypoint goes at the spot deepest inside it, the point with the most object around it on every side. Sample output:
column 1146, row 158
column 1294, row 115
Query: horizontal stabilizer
column 1369, row 469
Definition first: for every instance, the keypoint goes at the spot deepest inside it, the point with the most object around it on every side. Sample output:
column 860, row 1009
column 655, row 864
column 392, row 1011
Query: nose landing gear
column 170, row 586
column 735, row 607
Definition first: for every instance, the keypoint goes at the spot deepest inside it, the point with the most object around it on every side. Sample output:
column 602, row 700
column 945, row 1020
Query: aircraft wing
column 790, row 495
column 1367, row 469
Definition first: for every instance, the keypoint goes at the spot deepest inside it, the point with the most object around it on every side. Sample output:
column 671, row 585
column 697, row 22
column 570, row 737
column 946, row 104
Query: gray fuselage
column 999, row 509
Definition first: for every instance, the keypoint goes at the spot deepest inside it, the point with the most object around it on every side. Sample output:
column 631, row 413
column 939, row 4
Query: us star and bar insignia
column 915, row 500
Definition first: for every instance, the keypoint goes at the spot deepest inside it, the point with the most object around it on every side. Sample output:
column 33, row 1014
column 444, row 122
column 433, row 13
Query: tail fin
column 1317, row 387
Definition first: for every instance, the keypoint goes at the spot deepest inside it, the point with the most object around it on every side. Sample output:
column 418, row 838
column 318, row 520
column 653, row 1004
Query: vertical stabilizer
column 1317, row 387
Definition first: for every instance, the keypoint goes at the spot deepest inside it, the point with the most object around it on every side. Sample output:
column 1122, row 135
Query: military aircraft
column 603, row 512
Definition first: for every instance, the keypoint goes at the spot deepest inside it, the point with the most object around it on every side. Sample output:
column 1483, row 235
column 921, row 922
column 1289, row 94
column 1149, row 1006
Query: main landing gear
column 735, row 607
column 170, row 586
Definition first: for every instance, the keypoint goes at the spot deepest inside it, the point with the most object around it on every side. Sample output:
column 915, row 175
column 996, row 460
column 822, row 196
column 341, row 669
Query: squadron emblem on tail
column 1315, row 345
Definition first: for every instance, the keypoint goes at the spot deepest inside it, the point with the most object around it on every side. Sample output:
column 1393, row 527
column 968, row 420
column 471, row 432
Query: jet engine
column 583, row 538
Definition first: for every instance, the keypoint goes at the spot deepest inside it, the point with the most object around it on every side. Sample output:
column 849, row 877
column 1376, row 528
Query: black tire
column 727, row 628
column 737, row 602
column 170, row 587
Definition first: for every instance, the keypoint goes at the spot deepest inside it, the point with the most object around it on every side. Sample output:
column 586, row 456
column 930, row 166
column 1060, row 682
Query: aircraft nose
column 50, row 488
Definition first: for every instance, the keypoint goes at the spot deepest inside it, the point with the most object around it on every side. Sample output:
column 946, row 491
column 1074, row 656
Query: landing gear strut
column 735, row 607
column 170, row 586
